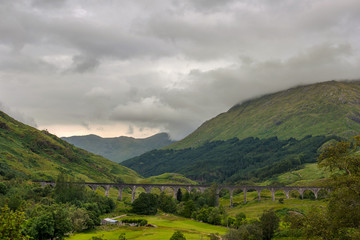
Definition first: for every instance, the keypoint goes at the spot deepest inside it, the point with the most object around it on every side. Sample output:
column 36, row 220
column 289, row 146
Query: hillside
column 30, row 154
column 233, row 160
column 328, row 108
column 120, row 148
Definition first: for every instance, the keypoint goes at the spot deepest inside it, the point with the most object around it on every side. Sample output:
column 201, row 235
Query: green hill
column 232, row 160
column 30, row 154
column 328, row 108
column 120, row 148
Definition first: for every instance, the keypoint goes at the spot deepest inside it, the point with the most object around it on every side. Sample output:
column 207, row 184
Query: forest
column 233, row 160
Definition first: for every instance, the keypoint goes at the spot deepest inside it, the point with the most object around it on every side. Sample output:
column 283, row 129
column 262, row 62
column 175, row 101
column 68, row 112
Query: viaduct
column 189, row 188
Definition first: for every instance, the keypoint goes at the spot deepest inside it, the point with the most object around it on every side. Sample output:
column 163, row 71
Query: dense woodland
column 232, row 160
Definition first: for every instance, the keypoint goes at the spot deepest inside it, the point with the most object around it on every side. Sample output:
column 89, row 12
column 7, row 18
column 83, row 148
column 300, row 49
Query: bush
column 145, row 204
column 178, row 236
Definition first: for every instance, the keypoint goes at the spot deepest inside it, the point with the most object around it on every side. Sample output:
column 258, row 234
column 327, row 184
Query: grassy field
column 166, row 226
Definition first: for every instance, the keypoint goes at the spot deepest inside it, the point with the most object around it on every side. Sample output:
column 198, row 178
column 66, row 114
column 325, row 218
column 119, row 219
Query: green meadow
column 166, row 226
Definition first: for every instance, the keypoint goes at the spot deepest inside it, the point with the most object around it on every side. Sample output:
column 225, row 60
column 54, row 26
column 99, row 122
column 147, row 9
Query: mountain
column 30, row 154
column 120, row 148
column 232, row 160
column 328, row 108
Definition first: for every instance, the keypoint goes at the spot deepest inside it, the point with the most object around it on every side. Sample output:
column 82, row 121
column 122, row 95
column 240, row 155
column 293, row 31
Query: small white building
column 108, row 221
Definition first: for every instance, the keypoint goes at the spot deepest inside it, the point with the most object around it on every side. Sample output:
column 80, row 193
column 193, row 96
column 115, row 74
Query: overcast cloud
column 140, row 67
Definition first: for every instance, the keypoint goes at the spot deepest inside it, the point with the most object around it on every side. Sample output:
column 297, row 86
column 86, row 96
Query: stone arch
column 252, row 193
column 156, row 190
column 309, row 194
column 266, row 193
column 280, row 193
column 322, row 193
column 294, row 193
column 125, row 193
column 227, row 193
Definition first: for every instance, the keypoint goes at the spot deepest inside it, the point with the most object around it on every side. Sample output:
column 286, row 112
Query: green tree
column 66, row 190
column 240, row 219
column 178, row 236
column 145, row 204
column 167, row 203
column 342, row 159
column 53, row 222
column 269, row 223
column 179, row 195
column 11, row 224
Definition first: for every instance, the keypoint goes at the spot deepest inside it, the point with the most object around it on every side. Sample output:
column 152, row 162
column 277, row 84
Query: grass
column 319, row 109
column 166, row 226
column 254, row 208
column 309, row 175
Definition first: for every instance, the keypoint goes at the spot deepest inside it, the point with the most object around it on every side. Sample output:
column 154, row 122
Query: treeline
column 31, row 211
column 202, row 207
column 232, row 160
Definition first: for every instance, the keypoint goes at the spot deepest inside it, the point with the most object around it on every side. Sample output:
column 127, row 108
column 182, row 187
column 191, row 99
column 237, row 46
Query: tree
column 52, row 222
column 68, row 191
column 178, row 236
column 166, row 203
column 145, row 204
column 342, row 159
column 11, row 224
column 179, row 195
column 269, row 223
column 240, row 219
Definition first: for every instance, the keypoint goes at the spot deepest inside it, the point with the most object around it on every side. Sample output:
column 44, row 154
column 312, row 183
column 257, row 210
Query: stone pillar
column 316, row 193
column 107, row 188
column 231, row 197
column 217, row 197
column 301, row 191
column 245, row 191
column 287, row 193
column 273, row 194
column 120, row 194
column 175, row 192
column 259, row 195
column 148, row 189
column 133, row 191
column 202, row 189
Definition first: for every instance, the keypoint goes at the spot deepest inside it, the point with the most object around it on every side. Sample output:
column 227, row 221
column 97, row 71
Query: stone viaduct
column 189, row 188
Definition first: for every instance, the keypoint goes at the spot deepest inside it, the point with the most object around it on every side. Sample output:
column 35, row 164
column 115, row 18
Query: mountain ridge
column 120, row 148
column 326, row 108
column 31, row 154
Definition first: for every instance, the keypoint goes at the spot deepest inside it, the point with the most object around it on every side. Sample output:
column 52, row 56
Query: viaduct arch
column 189, row 188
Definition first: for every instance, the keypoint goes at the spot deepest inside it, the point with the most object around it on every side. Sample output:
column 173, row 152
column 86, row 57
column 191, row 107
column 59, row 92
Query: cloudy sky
column 140, row 67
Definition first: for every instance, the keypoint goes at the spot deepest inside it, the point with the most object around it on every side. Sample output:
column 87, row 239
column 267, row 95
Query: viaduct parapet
column 189, row 188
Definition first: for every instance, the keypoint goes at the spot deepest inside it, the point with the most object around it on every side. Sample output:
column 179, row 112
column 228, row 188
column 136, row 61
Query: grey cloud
column 166, row 65
column 83, row 63
column 18, row 115
column 130, row 130
column 86, row 125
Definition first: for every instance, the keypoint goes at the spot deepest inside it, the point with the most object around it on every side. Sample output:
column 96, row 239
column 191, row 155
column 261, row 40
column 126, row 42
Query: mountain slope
column 232, row 160
column 28, row 153
column 328, row 108
column 120, row 148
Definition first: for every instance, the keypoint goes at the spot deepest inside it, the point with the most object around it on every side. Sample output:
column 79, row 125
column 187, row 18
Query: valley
column 46, row 182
